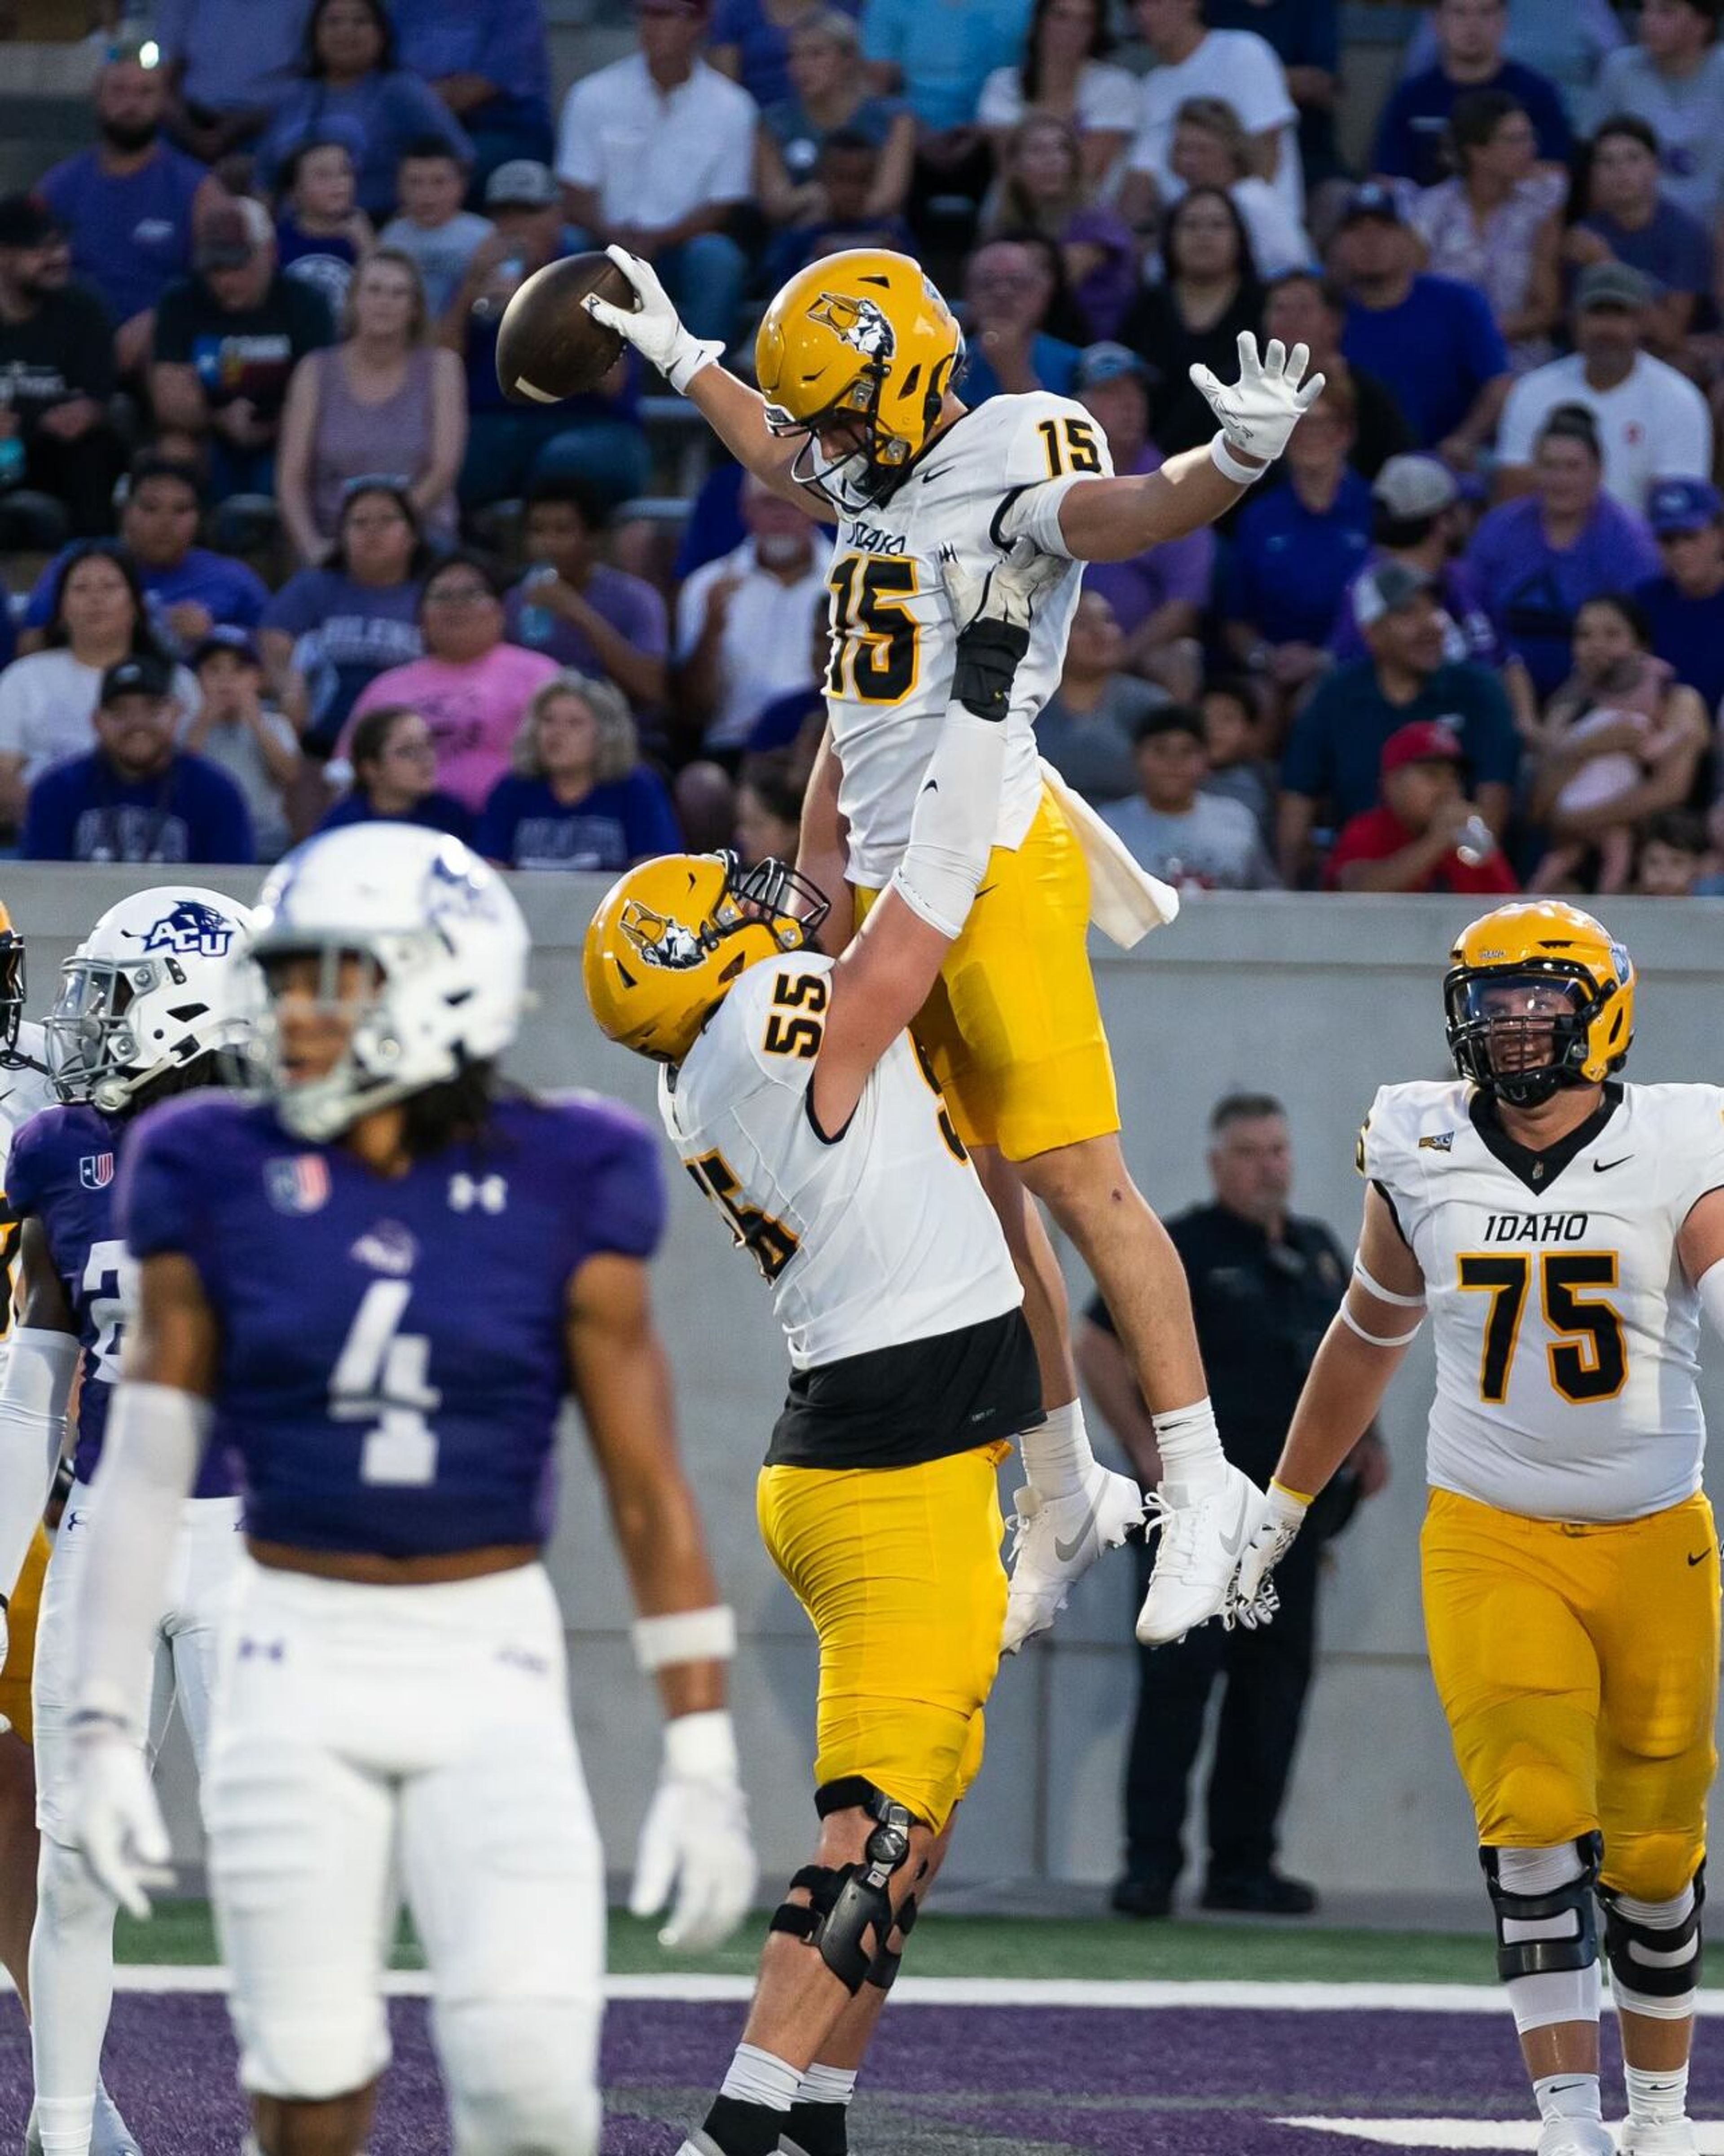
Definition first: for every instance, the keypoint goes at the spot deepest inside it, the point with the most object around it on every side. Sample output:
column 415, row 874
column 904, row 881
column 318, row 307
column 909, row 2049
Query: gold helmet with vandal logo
column 672, row 936
column 863, row 338
column 1538, row 996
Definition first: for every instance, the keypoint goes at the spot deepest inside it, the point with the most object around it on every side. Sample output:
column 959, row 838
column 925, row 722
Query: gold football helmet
column 1538, row 996
column 11, row 988
column 672, row 935
column 861, row 336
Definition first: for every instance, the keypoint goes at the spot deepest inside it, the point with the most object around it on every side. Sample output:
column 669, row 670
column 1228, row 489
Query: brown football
column 548, row 345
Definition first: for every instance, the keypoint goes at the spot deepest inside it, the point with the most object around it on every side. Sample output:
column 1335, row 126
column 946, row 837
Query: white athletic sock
column 758, row 2077
column 1656, row 2097
column 828, row 2084
column 1056, row 1457
column 63, row 2123
column 71, row 1992
column 1568, row 2095
column 1193, row 1462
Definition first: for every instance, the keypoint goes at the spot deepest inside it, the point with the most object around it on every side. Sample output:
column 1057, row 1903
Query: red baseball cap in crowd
column 1425, row 741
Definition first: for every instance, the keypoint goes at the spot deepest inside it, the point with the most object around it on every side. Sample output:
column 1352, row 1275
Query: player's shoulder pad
column 603, row 1154
column 1036, row 436
column 1421, row 1116
column 47, row 1148
column 774, row 990
column 575, row 1124
column 1684, row 1122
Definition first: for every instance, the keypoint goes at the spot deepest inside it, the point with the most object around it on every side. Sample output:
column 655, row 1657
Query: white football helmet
column 162, row 980
column 448, row 946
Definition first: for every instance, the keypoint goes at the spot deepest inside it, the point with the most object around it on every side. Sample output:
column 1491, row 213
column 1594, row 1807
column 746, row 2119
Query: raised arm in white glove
column 653, row 326
column 1259, row 411
column 695, row 1841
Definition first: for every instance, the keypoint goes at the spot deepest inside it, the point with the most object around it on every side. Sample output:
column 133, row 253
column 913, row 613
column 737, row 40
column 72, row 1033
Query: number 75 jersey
column 1567, row 1335
column 894, row 639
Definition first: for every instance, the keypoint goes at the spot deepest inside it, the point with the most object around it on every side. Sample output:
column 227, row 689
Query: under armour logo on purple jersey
column 95, row 1170
column 488, row 1193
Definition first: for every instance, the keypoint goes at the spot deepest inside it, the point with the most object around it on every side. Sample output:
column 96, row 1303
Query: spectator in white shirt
column 1211, row 149
column 1064, row 71
column 1237, row 66
column 1674, row 80
column 742, row 621
column 656, row 152
column 47, row 701
column 1653, row 423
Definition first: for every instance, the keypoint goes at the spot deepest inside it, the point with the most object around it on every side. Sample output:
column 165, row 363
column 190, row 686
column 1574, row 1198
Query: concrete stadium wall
column 1320, row 1000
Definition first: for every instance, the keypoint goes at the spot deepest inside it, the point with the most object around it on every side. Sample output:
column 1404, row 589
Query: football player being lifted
column 1566, row 1233
column 794, row 1094
column 858, row 418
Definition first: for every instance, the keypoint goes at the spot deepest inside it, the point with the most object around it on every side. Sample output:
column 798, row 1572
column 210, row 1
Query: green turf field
column 1003, row 1946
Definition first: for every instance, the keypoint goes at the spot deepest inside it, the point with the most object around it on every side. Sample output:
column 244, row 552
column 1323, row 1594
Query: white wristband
column 1383, row 1294
column 692, row 353
column 1228, row 464
column 686, row 1635
column 701, row 1748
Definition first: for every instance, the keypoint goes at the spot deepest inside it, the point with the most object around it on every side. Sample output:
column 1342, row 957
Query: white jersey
column 894, row 641
column 871, row 1238
column 1567, row 1335
column 23, row 1092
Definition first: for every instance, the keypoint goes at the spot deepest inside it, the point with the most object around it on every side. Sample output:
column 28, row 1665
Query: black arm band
column 988, row 655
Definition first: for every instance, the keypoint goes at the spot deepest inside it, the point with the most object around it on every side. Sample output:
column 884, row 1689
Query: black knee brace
column 1577, row 1947
column 1659, row 1965
column 883, row 1969
column 850, row 1916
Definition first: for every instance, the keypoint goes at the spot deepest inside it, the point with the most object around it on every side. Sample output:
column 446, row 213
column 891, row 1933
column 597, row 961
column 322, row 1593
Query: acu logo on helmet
column 192, row 928
column 859, row 323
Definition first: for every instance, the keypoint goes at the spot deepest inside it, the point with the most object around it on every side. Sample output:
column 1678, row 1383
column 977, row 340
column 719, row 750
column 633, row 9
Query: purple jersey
column 62, row 1173
column 392, row 1358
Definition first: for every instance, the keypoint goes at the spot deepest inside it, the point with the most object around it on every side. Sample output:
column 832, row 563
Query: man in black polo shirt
column 1265, row 1285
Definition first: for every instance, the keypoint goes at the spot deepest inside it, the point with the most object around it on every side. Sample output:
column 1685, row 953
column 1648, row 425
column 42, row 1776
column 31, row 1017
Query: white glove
column 653, row 326
column 1260, row 410
column 695, row 1838
column 5, row 1650
column 116, row 1822
column 1254, row 1601
column 1007, row 591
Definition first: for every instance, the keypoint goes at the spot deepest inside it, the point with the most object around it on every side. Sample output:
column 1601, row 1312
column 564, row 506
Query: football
column 548, row 345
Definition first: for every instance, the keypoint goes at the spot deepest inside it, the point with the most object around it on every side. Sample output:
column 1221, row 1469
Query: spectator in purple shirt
column 579, row 796
column 587, row 616
column 1536, row 560
column 1159, row 597
column 1411, row 134
column 137, row 797
column 1626, row 218
column 130, row 203
column 189, row 590
column 1417, row 518
column 488, row 62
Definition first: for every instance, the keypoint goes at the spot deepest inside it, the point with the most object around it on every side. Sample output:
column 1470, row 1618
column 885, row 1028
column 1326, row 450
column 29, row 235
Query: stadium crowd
column 282, row 554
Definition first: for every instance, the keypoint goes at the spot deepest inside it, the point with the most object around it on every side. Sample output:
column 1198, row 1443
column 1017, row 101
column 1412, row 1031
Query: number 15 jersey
column 894, row 638
column 1567, row 1334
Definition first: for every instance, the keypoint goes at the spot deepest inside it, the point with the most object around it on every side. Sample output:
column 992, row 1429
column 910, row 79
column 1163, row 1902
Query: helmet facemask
column 867, row 475
column 357, row 987
column 94, row 1048
column 1521, row 1033
column 12, row 996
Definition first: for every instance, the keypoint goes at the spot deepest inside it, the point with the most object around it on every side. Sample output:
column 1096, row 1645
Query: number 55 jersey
column 1567, row 1335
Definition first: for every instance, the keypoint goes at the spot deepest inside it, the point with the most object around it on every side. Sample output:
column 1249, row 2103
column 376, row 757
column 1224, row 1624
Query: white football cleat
column 1202, row 1543
column 1575, row 2137
column 1058, row 1540
column 1669, row 2138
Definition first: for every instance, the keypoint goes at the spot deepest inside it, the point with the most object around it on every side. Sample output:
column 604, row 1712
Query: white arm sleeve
column 1710, row 1288
column 1034, row 514
column 957, row 814
column 40, row 1365
column 155, row 1443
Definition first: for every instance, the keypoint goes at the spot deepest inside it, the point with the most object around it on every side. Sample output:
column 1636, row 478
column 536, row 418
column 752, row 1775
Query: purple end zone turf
column 944, row 2079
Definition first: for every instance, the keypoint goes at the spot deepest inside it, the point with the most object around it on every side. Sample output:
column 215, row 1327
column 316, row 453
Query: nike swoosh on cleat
column 1603, row 1167
column 1066, row 1552
column 1234, row 1543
